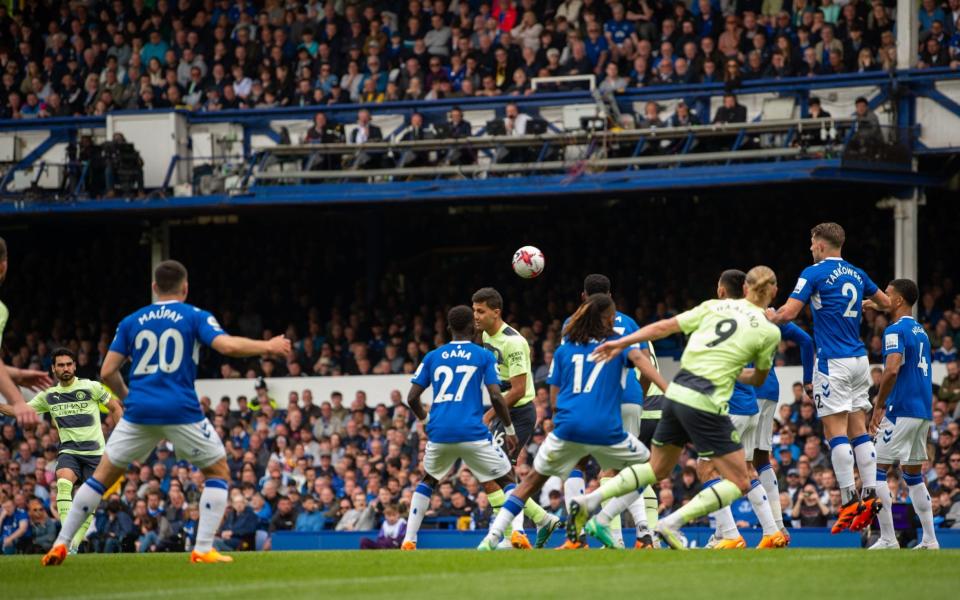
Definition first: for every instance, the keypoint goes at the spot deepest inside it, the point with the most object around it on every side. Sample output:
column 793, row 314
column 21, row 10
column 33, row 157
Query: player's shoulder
column 626, row 320
column 509, row 332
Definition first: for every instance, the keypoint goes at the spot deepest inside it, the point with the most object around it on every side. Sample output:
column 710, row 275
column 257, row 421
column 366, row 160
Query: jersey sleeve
column 892, row 341
column 517, row 356
column 554, row 375
column 869, row 287
column 39, row 403
column 421, row 376
column 208, row 328
column 793, row 333
column 690, row 320
column 101, row 393
column 764, row 359
column 121, row 339
column 805, row 285
column 490, row 375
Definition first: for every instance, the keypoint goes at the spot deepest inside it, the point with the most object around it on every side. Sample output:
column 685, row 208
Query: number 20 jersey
column 725, row 335
column 835, row 290
column 163, row 343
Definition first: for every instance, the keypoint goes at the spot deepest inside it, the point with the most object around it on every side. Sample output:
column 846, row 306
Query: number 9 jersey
column 163, row 343
column 725, row 335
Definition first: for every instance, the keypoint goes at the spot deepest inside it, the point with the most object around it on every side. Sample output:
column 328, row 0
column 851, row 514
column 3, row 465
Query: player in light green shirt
column 75, row 406
column 724, row 336
column 516, row 383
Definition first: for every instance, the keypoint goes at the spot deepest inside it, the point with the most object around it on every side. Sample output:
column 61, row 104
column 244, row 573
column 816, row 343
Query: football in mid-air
column 528, row 262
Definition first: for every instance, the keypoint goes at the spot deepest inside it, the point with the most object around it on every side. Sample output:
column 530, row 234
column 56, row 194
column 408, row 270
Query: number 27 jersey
column 835, row 290
column 163, row 343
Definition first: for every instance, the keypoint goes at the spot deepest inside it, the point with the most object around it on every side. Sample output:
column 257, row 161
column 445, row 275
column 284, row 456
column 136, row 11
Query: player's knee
column 743, row 483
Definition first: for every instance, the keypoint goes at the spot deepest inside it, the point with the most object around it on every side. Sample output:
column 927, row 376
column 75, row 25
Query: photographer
column 808, row 510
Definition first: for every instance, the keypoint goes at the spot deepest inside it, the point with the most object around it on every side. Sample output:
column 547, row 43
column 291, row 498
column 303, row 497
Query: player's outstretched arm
column 24, row 413
column 241, row 347
column 110, row 374
column 879, row 301
column 647, row 333
column 786, row 313
column 31, row 379
column 891, row 368
column 648, row 372
column 116, row 411
column 413, row 401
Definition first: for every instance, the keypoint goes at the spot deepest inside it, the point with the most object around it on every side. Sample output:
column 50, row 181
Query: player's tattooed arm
column 503, row 412
column 891, row 368
column 879, row 302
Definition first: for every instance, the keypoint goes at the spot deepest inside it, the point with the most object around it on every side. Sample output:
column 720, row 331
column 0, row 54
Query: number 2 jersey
column 725, row 335
column 835, row 290
column 457, row 372
column 163, row 343
column 912, row 394
column 590, row 394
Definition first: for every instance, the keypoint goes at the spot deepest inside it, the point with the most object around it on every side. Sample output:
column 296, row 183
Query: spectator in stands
column 364, row 132
column 731, row 111
column 416, row 131
column 43, row 529
column 949, row 391
column 359, row 517
column 239, row 527
column 946, row 353
column 391, row 532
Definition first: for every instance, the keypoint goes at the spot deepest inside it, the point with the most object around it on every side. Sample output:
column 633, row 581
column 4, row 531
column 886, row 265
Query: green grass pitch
column 713, row 575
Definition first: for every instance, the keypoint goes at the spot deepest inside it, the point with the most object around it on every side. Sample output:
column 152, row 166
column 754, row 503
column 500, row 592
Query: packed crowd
column 322, row 463
column 61, row 59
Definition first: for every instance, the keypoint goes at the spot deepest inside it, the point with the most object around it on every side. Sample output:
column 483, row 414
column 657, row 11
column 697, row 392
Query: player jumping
column 163, row 342
column 631, row 412
column 586, row 396
column 725, row 335
column 744, row 413
column 902, row 413
column 458, row 371
column 512, row 353
column 841, row 381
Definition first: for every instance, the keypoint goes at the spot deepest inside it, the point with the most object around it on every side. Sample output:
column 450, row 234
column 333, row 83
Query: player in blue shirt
column 586, row 396
column 744, row 414
column 768, row 396
column 163, row 341
column 457, row 373
column 631, row 411
column 902, row 413
column 836, row 290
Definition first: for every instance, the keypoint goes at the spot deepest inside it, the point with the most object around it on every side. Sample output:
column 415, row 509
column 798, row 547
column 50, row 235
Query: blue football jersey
column 624, row 325
column 835, row 290
column 163, row 343
column 912, row 394
column 743, row 401
column 588, row 402
column 458, row 372
column 789, row 332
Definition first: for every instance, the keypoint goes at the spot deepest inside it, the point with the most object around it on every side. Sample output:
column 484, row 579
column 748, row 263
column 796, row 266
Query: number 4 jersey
column 457, row 372
column 725, row 335
column 913, row 392
column 835, row 290
column 163, row 343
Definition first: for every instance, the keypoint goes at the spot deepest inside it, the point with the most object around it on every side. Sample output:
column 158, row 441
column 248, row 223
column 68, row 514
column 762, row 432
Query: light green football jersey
column 76, row 414
column 725, row 335
column 513, row 358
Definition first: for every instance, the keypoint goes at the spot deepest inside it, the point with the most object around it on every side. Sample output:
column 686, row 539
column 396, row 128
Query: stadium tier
column 490, row 274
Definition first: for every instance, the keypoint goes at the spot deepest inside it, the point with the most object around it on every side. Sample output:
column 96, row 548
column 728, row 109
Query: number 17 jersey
column 835, row 290
column 163, row 341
